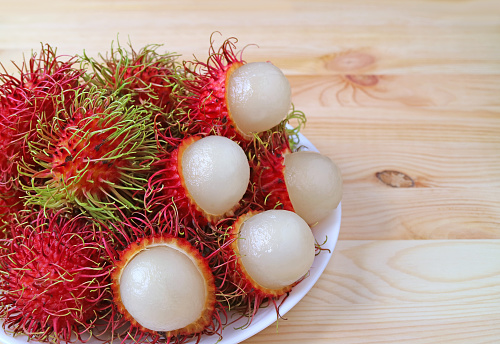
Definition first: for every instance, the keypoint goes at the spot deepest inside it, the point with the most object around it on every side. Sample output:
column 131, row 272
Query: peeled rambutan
column 306, row 182
column 95, row 157
column 227, row 96
column 274, row 250
column 54, row 278
column 166, row 281
column 205, row 178
column 314, row 184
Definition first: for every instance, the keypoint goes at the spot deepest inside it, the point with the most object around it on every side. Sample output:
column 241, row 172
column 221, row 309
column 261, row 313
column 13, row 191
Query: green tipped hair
column 132, row 125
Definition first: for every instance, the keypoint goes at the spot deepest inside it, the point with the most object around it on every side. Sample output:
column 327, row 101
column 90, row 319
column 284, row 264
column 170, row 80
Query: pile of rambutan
column 142, row 198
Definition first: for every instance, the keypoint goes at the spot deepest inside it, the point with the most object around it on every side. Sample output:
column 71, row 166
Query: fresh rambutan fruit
column 28, row 99
column 205, row 178
column 95, row 157
column 54, row 278
column 314, row 184
column 274, row 249
column 148, row 76
column 165, row 281
column 228, row 97
column 306, row 182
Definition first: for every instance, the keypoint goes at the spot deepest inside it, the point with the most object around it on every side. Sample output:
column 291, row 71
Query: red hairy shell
column 137, row 233
column 205, row 103
column 54, row 279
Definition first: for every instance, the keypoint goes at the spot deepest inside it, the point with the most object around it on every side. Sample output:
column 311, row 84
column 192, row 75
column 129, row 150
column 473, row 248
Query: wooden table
column 404, row 96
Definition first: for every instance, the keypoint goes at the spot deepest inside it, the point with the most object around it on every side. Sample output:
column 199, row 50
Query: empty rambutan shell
column 204, row 177
column 54, row 278
column 314, row 184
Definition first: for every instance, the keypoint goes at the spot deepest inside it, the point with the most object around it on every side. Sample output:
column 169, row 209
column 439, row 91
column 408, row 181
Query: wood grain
column 391, row 291
column 410, row 87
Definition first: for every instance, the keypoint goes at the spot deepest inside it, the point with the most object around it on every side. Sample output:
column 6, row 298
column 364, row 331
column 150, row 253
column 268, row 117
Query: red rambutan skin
column 135, row 233
column 95, row 157
column 267, row 186
column 25, row 101
column 11, row 203
column 205, row 101
column 167, row 188
column 54, row 279
column 148, row 76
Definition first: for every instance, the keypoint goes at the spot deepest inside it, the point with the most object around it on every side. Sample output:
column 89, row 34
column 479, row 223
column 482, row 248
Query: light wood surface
column 403, row 95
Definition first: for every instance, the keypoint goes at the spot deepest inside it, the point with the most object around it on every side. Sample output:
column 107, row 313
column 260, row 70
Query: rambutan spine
column 96, row 156
column 54, row 278
column 148, row 76
column 136, row 233
column 27, row 99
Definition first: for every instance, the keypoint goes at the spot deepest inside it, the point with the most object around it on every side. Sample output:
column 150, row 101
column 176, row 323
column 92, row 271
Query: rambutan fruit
column 205, row 178
column 95, row 157
column 54, row 278
column 274, row 249
column 11, row 202
column 26, row 100
column 228, row 97
column 314, row 184
column 306, row 182
column 148, row 76
column 165, row 281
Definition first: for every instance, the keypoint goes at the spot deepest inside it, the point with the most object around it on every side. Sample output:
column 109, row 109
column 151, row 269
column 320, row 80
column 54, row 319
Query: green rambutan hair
column 94, row 157
column 147, row 75
column 54, row 277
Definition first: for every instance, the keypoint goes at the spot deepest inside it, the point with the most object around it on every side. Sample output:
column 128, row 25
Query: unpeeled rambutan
column 95, row 157
column 53, row 277
column 148, row 76
column 28, row 99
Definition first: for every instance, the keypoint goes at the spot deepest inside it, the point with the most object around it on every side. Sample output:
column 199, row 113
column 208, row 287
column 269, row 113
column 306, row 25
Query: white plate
column 327, row 230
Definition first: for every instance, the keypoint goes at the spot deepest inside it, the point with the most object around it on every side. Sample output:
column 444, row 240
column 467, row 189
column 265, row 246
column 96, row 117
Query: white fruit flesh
column 216, row 173
column 258, row 96
column 314, row 184
column 162, row 289
column 276, row 247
